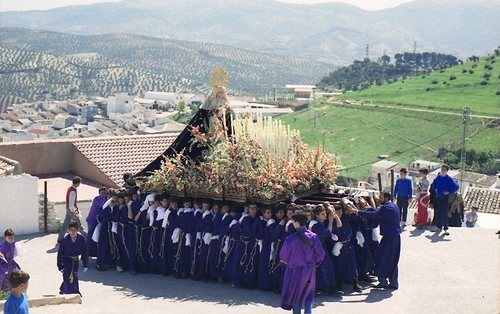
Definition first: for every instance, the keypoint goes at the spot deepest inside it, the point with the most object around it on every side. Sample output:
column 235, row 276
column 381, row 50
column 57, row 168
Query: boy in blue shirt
column 17, row 303
column 403, row 192
column 444, row 185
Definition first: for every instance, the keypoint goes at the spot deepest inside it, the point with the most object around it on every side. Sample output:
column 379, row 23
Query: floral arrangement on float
column 260, row 159
column 263, row 161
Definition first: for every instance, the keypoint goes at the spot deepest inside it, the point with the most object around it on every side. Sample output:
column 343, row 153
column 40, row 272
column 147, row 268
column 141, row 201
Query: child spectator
column 471, row 217
column 7, row 264
column 17, row 303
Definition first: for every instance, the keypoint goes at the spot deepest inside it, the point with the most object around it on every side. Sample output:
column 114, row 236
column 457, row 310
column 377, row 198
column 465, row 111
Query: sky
column 23, row 5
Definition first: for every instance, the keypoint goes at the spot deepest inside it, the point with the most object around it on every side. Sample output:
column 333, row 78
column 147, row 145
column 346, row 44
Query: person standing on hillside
column 403, row 192
column 72, row 212
column 444, row 186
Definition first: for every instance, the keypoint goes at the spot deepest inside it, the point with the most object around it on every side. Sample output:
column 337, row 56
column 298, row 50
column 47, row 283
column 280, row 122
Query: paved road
column 456, row 274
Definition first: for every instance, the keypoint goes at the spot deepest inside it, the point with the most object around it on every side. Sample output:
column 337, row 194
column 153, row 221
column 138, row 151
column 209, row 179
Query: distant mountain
column 335, row 33
column 36, row 65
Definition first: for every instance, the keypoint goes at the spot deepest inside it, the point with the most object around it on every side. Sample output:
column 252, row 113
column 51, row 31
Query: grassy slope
column 464, row 91
column 357, row 134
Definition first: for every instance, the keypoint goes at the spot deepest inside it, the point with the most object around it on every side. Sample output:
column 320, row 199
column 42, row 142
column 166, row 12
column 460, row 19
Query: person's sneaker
column 119, row 269
column 446, row 232
column 100, row 268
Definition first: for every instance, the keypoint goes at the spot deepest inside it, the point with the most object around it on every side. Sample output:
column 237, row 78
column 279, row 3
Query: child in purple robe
column 7, row 263
column 301, row 254
column 97, row 202
column 72, row 246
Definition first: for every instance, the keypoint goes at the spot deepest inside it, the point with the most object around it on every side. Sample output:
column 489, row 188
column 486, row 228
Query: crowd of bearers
column 219, row 241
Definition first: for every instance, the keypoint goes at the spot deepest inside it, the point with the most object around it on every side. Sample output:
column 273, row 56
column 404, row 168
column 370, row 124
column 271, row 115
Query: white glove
column 114, row 227
column 85, row 269
column 207, row 238
column 175, row 235
column 334, row 237
column 234, row 222
column 376, row 234
column 336, row 248
column 356, row 199
column 260, row 243
column 188, row 239
column 225, row 249
column 242, row 217
column 360, row 238
column 270, row 222
column 62, row 270
column 198, row 235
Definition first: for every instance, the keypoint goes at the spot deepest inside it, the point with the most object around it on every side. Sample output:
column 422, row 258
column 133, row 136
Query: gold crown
column 218, row 77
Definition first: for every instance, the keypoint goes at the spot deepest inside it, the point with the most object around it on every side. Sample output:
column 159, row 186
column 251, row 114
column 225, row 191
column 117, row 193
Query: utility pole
column 367, row 50
column 465, row 119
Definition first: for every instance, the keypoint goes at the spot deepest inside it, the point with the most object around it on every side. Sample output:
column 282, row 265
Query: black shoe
column 133, row 272
column 60, row 292
column 394, row 287
column 366, row 278
column 100, row 268
column 498, row 232
column 355, row 286
column 335, row 292
column 195, row 278
column 380, row 286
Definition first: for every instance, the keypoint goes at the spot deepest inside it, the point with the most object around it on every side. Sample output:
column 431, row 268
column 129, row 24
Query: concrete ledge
column 52, row 300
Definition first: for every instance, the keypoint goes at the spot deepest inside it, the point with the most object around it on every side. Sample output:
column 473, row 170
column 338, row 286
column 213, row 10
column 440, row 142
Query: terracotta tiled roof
column 487, row 201
column 115, row 156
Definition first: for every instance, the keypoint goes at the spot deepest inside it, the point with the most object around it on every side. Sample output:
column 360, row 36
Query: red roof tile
column 118, row 155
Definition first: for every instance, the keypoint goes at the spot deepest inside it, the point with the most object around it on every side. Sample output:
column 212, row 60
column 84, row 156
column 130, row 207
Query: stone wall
column 53, row 222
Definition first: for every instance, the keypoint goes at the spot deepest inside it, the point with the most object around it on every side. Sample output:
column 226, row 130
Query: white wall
column 19, row 204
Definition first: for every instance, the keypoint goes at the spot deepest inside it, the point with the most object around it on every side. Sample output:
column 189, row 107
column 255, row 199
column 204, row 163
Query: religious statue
column 213, row 119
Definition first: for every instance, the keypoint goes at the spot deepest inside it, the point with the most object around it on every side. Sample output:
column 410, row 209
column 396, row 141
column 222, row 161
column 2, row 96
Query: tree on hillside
column 181, row 107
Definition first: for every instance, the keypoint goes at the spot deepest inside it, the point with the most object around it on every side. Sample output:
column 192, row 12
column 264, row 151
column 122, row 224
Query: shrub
column 464, row 71
column 483, row 83
column 427, row 89
column 486, row 66
column 452, row 77
column 471, row 71
column 441, row 71
column 487, row 75
column 444, row 83
column 474, row 65
column 497, row 93
column 423, row 76
column 435, row 81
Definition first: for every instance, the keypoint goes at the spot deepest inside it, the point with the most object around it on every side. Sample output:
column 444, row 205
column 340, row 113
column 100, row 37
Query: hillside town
column 122, row 114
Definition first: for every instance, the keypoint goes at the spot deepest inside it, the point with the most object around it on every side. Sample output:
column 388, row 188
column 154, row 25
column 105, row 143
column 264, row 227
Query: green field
column 406, row 120
column 448, row 89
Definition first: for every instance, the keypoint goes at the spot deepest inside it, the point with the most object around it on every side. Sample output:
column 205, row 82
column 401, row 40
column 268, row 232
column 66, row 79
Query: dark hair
column 300, row 217
column 77, row 180
column 386, row 194
column 403, row 170
column 423, row 170
column 207, row 201
column 318, row 209
column 73, row 224
column 103, row 188
column 173, row 199
column 18, row 277
column 279, row 207
column 445, row 166
column 163, row 196
column 127, row 176
column 8, row 233
column 198, row 201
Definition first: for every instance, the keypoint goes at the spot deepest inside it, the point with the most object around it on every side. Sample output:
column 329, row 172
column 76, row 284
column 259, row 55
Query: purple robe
column 300, row 268
column 8, row 250
column 67, row 262
column 92, row 223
